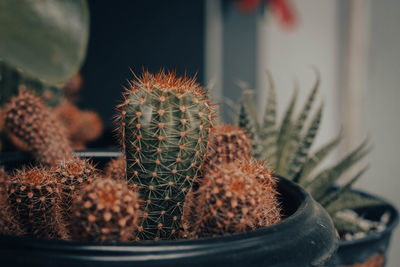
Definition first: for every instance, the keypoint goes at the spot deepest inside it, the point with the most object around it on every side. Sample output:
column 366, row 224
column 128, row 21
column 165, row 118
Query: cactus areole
column 165, row 121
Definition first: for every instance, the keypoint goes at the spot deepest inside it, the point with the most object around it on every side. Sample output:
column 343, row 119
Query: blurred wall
column 135, row 34
column 381, row 107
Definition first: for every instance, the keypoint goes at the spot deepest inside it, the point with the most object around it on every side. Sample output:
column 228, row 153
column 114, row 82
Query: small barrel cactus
column 34, row 200
column 72, row 175
column 106, row 210
column 233, row 197
column 116, row 169
column 228, row 143
column 29, row 119
column 165, row 122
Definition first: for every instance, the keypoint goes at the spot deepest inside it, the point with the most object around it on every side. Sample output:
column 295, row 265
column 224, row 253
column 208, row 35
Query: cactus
column 106, row 210
column 8, row 223
column 72, row 175
column 81, row 126
column 116, row 169
column 34, row 199
column 233, row 197
column 164, row 122
column 32, row 122
column 227, row 143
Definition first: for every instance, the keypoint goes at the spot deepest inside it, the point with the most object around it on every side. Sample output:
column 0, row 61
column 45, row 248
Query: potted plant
column 165, row 127
column 364, row 222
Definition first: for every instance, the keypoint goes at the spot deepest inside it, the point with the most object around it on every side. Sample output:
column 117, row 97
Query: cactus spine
column 35, row 199
column 116, row 169
column 165, row 123
column 37, row 128
column 106, row 210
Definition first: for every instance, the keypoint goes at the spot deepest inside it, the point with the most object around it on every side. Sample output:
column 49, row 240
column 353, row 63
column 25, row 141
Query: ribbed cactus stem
column 233, row 197
column 106, row 210
column 35, row 200
column 29, row 119
column 165, row 123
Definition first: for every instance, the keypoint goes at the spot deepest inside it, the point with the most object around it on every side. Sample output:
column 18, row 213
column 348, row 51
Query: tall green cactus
column 165, row 122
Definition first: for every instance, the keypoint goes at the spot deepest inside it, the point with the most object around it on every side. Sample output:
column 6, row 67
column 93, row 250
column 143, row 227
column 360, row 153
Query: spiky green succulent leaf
column 268, row 131
column 330, row 197
column 284, row 134
column 300, row 156
column 319, row 185
column 314, row 159
column 351, row 200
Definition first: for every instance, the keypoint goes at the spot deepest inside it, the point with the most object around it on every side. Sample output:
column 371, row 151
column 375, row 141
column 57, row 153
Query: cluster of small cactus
column 170, row 142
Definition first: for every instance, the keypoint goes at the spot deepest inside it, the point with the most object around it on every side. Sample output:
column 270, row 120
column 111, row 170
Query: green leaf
column 295, row 140
column 316, row 158
column 11, row 80
column 44, row 39
column 284, row 133
column 324, row 180
column 351, row 200
column 326, row 200
column 268, row 132
column 300, row 156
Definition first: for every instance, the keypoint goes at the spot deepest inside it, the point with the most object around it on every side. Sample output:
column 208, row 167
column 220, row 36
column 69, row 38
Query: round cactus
column 165, row 122
column 228, row 143
column 116, row 169
column 72, row 175
column 106, row 210
column 34, row 200
column 233, row 197
column 33, row 123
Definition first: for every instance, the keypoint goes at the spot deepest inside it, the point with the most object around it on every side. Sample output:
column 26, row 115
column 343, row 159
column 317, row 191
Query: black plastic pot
column 360, row 250
column 305, row 237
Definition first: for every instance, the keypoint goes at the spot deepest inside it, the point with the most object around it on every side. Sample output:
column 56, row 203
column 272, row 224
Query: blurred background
column 354, row 45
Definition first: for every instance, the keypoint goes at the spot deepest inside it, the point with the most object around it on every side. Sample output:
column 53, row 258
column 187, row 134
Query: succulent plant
column 164, row 121
column 116, row 169
column 227, row 143
column 34, row 200
column 72, row 175
column 287, row 149
column 36, row 128
column 105, row 210
column 233, row 197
